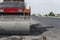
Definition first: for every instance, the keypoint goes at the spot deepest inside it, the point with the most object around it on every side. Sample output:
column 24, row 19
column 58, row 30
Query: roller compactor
column 14, row 17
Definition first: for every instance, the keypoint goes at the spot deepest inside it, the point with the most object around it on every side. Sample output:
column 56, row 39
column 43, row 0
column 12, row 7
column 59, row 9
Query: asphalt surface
column 54, row 22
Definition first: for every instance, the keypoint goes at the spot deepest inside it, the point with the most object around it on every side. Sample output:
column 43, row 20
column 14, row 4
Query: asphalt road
column 55, row 22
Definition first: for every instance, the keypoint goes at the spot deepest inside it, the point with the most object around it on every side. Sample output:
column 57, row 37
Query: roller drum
column 14, row 27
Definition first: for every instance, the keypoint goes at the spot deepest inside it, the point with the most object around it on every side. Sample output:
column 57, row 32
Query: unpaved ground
column 21, row 38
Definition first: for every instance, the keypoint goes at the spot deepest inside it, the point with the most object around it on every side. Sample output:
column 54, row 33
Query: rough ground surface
column 21, row 38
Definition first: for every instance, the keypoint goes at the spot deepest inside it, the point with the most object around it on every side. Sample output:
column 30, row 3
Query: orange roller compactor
column 14, row 17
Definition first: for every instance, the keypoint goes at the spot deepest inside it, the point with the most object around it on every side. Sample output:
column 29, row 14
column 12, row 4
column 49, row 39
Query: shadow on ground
column 37, row 29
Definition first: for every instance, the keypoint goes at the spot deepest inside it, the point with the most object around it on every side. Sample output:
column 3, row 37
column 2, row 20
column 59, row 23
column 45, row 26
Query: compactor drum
column 14, row 24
